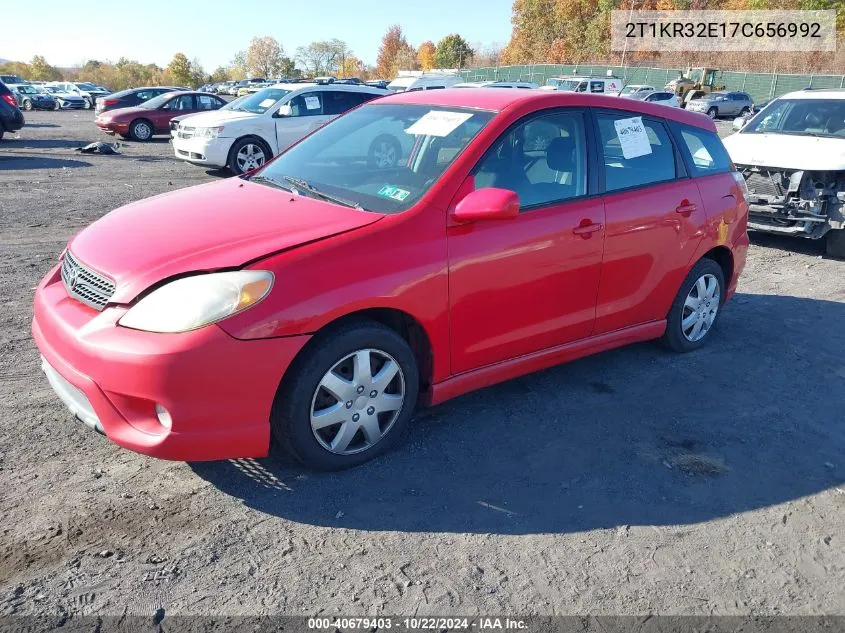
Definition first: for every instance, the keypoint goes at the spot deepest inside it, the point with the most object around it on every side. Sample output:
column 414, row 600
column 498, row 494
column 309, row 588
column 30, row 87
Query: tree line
column 265, row 57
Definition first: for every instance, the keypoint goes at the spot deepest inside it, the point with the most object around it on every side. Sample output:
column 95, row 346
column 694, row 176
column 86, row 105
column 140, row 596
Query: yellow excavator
column 694, row 83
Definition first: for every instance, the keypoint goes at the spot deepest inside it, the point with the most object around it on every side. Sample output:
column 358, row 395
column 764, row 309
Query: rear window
column 705, row 152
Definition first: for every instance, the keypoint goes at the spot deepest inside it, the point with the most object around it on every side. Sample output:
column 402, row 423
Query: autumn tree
column 323, row 58
column 393, row 50
column 264, row 57
column 534, row 30
column 453, row 52
column 425, row 55
column 237, row 67
column 179, row 70
column 40, row 70
column 352, row 67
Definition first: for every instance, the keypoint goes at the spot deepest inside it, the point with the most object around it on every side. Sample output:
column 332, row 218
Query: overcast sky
column 69, row 32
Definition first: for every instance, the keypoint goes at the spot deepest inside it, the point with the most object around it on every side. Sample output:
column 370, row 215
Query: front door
column 527, row 284
column 307, row 114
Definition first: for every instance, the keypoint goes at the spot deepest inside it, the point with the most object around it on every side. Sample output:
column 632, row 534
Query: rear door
column 654, row 217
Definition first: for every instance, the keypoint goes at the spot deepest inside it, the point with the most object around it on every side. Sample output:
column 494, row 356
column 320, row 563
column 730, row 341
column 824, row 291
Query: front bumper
column 217, row 389
column 112, row 127
column 203, row 151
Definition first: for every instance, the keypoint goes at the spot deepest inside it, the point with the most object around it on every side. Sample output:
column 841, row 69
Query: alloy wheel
column 700, row 308
column 142, row 131
column 385, row 155
column 250, row 156
column 357, row 402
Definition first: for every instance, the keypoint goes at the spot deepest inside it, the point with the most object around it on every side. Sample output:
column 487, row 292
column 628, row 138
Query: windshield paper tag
column 266, row 103
column 438, row 123
column 632, row 137
column 394, row 193
column 312, row 103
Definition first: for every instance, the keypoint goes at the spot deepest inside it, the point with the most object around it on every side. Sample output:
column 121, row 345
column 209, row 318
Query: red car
column 152, row 117
column 321, row 298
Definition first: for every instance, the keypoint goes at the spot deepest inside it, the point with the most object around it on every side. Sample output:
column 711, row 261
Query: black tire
column 137, row 130
column 835, row 243
column 233, row 163
column 26, row 105
column 674, row 337
column 744, row 111
column 57, row 105
column 713, row 113
column 87, row 105
column 290, row 419
column 385, row 152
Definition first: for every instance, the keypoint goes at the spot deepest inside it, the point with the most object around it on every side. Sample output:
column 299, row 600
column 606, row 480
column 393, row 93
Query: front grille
column 764, row 183
column 89, row 287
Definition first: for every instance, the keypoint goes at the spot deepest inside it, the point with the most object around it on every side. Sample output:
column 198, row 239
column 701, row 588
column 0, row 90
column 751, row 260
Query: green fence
column 761, row 86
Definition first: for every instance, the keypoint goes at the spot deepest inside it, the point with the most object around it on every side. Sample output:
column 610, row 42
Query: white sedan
column 264, row 124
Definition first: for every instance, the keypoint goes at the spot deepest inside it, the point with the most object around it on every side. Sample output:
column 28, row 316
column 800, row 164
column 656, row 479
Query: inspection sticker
column 394, row 193
column 438, row 123
column 632, row 137
column 312, row 103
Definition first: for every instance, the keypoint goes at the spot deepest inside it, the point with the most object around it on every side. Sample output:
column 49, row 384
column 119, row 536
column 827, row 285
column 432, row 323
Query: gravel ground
column 632, row 482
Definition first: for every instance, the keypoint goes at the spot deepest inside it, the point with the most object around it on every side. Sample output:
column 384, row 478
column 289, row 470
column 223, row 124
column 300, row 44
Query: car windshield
column 259, row 102
column 629, row 90
column 53, row 89
column 27, row 90
column 802, row 117
column 86, row 86
column 382, row 158
column 156, row 102
column 567, row 85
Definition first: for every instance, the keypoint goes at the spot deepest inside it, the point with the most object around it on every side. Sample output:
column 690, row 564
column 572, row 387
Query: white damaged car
column 264, row 124
column 792, row 155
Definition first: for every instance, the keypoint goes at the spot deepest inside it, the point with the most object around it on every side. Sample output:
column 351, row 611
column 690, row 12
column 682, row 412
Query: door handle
column 586, row 229
column 686, row 208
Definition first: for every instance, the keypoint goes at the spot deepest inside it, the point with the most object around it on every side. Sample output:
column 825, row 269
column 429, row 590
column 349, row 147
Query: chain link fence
column 761, row 86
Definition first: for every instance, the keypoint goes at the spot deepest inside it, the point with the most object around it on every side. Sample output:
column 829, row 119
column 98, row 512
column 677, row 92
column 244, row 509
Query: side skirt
column 515, row 367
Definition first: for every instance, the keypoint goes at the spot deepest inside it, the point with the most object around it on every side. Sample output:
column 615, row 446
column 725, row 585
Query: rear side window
column 621, row 172
column 705, row 152
column 337, row 102
column 596, row 86
column 307, row 104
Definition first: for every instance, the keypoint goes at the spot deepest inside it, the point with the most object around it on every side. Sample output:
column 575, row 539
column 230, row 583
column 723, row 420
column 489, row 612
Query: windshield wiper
column 271, row 182
column 304, row 185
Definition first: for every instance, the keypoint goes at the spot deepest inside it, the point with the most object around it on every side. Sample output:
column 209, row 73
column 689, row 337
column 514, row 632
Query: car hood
column 217, row 225
column 132, row 111
column 220, row 117
column 786, row 151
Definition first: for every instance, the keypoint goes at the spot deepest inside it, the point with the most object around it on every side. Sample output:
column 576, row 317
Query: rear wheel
column 141, row 130
column 385, row 152
column 348, row 398
column 27, row 104
column 835, row 246
column 744, row 111
column 712, row 113
column 57, row 105
column 696, row 307
column 86, row 103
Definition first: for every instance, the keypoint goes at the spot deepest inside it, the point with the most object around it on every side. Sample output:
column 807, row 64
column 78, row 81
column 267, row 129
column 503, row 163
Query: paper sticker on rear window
column 266, row 103
column 312, row 103
column 438, row 123
column 632, row 137
column 394, row 193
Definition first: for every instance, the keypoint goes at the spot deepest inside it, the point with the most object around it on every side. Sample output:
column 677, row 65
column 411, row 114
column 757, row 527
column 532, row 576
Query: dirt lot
column 632, row 482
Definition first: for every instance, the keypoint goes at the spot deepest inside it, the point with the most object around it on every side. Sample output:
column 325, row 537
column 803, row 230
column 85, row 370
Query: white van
column 597, row 85
column 497, row 84
column 426, row 81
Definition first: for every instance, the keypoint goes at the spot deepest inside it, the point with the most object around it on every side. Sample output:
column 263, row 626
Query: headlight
column 192, row 302
column 208, row 132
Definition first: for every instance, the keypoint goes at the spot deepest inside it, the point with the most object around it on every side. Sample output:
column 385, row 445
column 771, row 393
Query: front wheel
column 712, row 113
column 57, row 105
column 349, row 397
column 385, row 152
column 141, row 130
column 696, row 307
column 744, row 111
column 247, row 154
column 86, row 104
column 835, row 246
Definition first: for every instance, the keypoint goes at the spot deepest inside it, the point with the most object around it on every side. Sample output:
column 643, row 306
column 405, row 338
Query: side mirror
column 739, row 122
column 284, row 110
column 488, row 203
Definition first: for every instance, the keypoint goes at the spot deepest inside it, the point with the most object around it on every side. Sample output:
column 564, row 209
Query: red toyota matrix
column 419, row 247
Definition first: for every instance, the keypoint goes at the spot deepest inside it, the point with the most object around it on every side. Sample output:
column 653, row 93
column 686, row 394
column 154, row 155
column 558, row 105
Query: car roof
column 815, row 94
column 333, row 87
column 500, row 99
